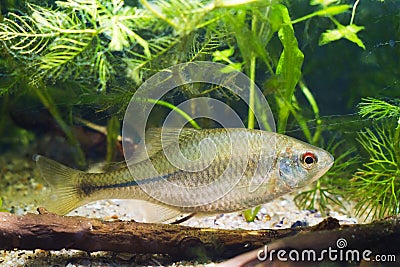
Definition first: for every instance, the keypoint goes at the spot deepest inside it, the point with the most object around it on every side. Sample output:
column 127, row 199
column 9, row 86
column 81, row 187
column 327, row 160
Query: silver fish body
column 204, row 171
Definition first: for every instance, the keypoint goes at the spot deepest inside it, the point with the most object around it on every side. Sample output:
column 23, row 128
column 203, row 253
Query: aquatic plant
column 328, row 191
column 83, row 38
column 91, row 41
column 1, row 206
column 286, row 77
column 376, row 185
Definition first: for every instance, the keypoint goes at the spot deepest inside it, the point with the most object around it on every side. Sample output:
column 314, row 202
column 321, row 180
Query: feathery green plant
column 376, row 185
column 81, row 38
column 75, row 39
column 90, row 41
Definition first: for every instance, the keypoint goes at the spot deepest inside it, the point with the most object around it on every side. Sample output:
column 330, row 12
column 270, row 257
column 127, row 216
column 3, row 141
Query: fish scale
column 223, row 170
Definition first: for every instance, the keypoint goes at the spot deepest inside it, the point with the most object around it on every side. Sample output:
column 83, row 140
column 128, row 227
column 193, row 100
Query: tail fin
column 64, row 184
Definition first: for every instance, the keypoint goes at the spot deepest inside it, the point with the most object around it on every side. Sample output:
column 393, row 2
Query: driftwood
column 53, row 232
column 49, row 231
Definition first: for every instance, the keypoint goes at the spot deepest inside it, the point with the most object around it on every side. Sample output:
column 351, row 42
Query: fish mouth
column 331, row 160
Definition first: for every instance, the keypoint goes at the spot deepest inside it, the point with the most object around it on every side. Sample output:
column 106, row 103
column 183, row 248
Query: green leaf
column 250, row 214
column 223, row 55
column 248, row 42
column 327, row 11
column 236, row 66
column 232, row 66
column 289, row 65
column 349, row 32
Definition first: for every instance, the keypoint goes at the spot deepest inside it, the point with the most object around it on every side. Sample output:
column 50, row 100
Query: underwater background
column 329, row 69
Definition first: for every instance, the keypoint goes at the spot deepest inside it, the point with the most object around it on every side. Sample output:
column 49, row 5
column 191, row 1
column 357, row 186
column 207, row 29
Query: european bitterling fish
column 235, row 169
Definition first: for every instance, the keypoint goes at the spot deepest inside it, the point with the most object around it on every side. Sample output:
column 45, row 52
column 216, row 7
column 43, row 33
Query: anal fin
column 144, row 211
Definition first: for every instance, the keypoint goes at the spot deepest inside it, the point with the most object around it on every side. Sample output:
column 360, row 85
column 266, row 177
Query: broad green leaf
column 275, row 19
column 349, row 32
column 248, row 42
column 289, row 65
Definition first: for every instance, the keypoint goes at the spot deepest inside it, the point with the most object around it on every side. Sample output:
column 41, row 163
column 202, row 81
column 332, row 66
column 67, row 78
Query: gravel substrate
column 24, row 189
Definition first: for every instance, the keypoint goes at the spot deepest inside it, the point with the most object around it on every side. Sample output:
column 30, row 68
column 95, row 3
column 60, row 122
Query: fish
column 204, row 172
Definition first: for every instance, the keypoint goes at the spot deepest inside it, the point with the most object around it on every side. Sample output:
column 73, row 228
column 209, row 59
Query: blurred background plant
column 1, row 206
column 71, row 67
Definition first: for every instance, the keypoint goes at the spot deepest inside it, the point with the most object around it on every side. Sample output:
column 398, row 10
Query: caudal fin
column 64, row 185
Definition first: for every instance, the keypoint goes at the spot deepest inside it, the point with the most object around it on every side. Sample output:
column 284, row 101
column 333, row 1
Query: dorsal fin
column 152, row 142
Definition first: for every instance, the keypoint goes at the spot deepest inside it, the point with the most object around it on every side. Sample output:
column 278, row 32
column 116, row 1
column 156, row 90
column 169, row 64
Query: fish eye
column 308, row 159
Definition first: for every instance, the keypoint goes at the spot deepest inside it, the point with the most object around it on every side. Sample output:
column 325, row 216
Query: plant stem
column 113, row 129
column 46, row 99
column 326, row 11
column 353, row 12
column 3, row 112
column 310, row 98
column 301, row 121
column 251, row 119
column 251, row 214
column 159, row 14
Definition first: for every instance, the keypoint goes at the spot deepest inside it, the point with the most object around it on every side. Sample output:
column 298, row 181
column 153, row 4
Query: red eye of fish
column 308, row 159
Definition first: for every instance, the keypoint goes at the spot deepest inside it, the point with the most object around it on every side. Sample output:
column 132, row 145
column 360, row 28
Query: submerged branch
column 53, row 232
